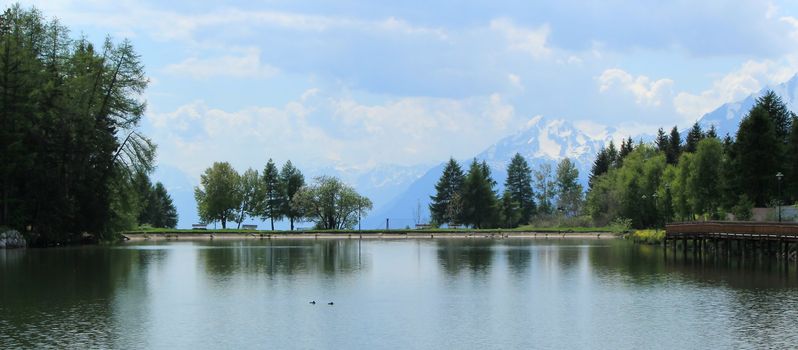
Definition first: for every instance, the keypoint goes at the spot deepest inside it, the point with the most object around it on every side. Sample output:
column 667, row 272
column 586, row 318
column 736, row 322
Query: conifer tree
column 480, row 208
column 444, row 206
column 791, row 178
column 662, row 141
column 519, row 186
column 600, row 166
column 272, row 203
column 675, row 147
column 779, row 113
column 694, row 136
column 291, row 180
column 757, row 148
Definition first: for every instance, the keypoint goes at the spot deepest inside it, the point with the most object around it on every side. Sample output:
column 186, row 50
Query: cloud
column 530, row 41
column 751, row 77
column 647, row 92
column 246, row 65
column 319, row 128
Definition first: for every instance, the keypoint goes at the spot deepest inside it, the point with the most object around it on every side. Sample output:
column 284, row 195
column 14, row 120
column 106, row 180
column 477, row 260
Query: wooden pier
column 745, row 239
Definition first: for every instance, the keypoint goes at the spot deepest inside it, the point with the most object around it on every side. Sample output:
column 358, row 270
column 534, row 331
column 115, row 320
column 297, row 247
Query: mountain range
column 401, row 194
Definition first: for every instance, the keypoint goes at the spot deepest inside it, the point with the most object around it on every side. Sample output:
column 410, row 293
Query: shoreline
column 164, row 236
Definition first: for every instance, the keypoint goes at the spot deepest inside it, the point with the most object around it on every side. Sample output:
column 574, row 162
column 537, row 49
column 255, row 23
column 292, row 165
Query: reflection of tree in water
column 289, row 257
column 57, row 297
column 456, row 255
column 519, row 255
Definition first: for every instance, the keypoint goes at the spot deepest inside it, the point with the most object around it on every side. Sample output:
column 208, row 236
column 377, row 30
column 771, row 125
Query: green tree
column 291, row 180
column 479, row 201
column 662, row 142
column 519, row 186
column 569, row 191
column 675, row 146
column 757, row 148
column 271, row 207
column 704, row 179
column 218, row 195
column 445, row 207
column 694, row 136
column 331, row 204
column 791, row 179
column 544, row 188
column 251, row 195
column 510, row 211
column 601, row 165
column 779, row 113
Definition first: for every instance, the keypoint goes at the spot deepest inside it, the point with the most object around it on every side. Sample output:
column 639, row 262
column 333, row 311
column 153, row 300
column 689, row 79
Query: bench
column 199, row 227
column 249, row 227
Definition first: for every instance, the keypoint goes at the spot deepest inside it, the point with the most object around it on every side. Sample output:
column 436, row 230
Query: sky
column 358, row 84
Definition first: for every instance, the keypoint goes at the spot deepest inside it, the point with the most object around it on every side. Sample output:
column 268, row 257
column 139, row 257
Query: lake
column 392, row 294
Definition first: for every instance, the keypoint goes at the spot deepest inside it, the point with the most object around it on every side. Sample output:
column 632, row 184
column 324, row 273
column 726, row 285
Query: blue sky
column 361, row 83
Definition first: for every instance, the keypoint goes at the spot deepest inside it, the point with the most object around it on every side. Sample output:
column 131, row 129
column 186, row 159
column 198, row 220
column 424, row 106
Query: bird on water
column 313, row 302
column 330, row 303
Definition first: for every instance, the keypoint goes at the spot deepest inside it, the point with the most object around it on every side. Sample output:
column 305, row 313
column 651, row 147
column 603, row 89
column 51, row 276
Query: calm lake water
column 431, row 294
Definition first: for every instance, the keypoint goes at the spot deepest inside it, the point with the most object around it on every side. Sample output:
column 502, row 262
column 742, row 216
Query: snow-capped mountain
column 541, row 141
column 727, row 117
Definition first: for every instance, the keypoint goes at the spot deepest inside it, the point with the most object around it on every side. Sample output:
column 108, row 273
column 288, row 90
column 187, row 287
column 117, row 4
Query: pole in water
column 387, row 224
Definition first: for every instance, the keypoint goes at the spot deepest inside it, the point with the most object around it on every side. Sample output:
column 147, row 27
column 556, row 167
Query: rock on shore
column 12, row 239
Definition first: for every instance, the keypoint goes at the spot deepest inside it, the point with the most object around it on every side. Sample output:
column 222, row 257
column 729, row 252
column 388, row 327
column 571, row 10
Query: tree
column 791, row 179
column 675, row 147
column 757, row 148
column 480, row 208
column 713, row 132
column 154, row 204
column 443, row 208
column 166, row 215
column 704, row 179
column 271, row 207
column 601, row 165
column 612, row 155
column 544, row 188
column 694, row 136
column 569, row 191
column 519, row 186
column 662, row 141
column 780, row 115
column 291, row 180
column 251, row 195
column 331, row 204
column 510, row 211
column 627, row 146
column 218, row 196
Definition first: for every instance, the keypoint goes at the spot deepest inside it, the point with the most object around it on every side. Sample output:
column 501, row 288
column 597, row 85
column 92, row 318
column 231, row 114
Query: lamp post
column 779, row 175
column 656, row 212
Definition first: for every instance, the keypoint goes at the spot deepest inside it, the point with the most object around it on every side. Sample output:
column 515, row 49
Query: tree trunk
column 224, row 223
column 291, row 219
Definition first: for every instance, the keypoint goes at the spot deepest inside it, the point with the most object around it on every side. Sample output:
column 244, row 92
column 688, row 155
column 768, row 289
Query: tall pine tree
column 272, row 204
column 480, row 208
column 444, row 206
column 757, row 148
column 519, row 186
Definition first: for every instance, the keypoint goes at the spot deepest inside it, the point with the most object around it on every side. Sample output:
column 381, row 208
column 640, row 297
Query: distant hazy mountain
column 542, row 141
column 726, row 118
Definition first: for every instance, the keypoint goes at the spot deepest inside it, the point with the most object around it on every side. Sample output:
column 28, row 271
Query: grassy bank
column 647, row 236
column 398, row 231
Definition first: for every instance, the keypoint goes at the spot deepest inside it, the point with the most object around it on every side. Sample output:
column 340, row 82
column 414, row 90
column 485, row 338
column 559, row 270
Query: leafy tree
column 675, row 147
column 331, row 204
column 218, row 196
column 480, row 208
column 544, row 188
column 251, row 195
column 444, row 208
column 519, row 186
column 271, row 207
column 291, row 180
column 569, row 191
column 704, row 179
column 757, row 149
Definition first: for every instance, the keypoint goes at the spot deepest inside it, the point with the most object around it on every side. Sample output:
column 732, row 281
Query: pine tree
column 612, row 155
column 627, row 146
column 510, row 211
column 479, row 199
column 444, row 206
column 291, row 180
column 675, row 148
column 662, row 141
column 600, row 166
column 272, row 204
column 569, row 191
column 694, row 136
column 713, row 132
column 519, row 186
column 757, row 148
column 779, row 113
column 791, row 178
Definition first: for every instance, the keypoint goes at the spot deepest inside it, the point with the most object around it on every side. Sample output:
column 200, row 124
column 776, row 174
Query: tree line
column 70, row 148
column 471, row 198
column 702, row 177
column 225, row 196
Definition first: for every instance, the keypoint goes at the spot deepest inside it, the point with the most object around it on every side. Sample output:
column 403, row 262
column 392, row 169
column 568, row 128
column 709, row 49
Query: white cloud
column 515, row 81
column 646, row 91
column 530, row 41
column 246, row 65
column 321, row 129
column 751, row 77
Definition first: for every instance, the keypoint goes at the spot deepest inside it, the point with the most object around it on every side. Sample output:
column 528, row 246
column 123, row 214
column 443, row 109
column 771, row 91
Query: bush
column 744, row 210
column 648, row 236
column 620, row 225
